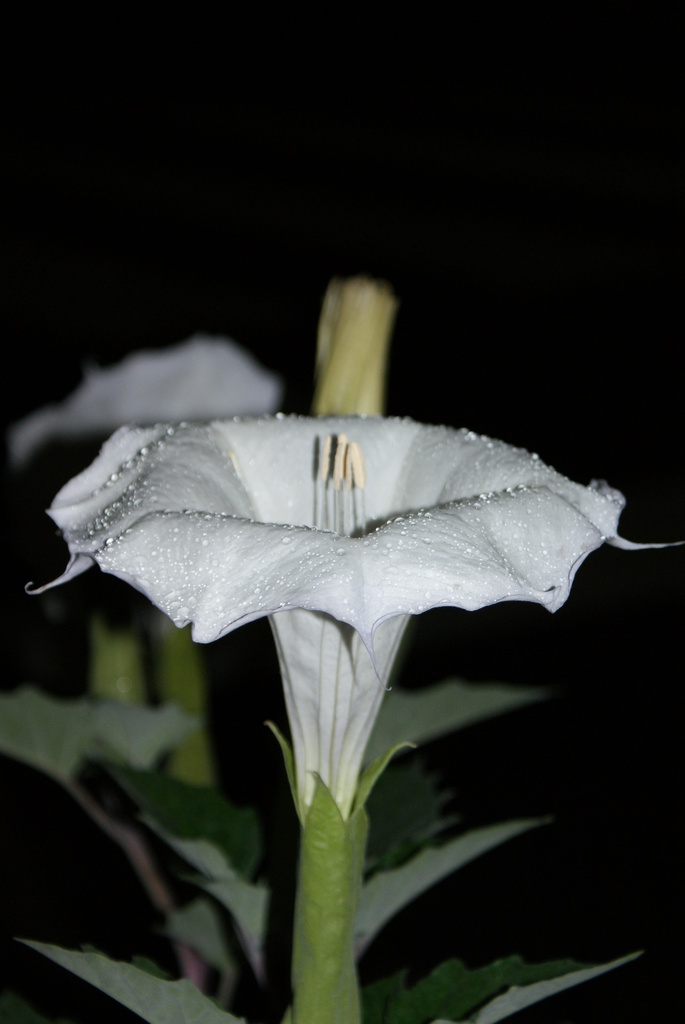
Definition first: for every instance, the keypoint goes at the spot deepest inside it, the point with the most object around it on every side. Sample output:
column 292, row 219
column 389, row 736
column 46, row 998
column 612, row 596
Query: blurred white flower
column 337, row 528
column 201, row 378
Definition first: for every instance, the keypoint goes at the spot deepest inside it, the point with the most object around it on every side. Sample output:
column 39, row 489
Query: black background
column 525, row 199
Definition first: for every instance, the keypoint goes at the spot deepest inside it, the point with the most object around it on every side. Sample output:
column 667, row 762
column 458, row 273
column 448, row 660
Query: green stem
column 324, row 975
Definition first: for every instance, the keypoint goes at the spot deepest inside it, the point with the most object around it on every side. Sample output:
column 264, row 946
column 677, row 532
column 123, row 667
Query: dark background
column 527, row 206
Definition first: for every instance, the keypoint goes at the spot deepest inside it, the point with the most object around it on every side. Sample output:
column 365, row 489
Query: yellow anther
column 342, row 461
column 326, row 458
column 357, row 467
column 339, row 462
column 349, row 470
column 234, row 462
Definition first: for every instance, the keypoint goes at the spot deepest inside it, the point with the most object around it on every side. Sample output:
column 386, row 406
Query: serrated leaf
column 457, row 994
column 57, row 735
column 405, row 810
column 14, row 1010
column 155, row 1000
column 142, row 962
column 247, row 902
column 187, row 811
column 198, row 924
column 517, row 997
column 386, row 892
column 426, row 714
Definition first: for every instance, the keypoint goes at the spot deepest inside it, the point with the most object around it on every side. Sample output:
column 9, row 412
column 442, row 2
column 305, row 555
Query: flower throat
column 340, row 484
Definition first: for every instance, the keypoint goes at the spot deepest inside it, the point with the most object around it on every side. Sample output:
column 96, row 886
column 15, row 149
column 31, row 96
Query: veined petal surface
column 220, row 523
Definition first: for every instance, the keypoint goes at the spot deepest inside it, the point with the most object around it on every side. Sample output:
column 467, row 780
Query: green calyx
column 324, row 975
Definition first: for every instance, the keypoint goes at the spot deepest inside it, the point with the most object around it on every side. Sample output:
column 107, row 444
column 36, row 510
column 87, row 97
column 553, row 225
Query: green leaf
column 377, row 998
column 454, row 992
column 155, row 1000
column 426, row 714
column 386, row 892
column 48, row 733
column 138, row 736
column 405, row 810
column 247, row 902
column 198, row 924
column 57, row 735
column 14, row 1010
column 117, row 672
column 519, row 996
column 196, row 812
column 143, row 962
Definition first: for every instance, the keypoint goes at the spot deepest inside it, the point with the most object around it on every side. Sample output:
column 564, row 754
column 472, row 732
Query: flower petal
column 201, row 378
column 214, row 522
column 333, row 690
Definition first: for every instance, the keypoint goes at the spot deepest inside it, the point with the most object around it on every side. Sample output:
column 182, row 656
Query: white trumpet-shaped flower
column 337, row 528
column 203, row 377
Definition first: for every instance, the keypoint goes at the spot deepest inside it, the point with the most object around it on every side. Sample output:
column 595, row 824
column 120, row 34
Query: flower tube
column 337, row 528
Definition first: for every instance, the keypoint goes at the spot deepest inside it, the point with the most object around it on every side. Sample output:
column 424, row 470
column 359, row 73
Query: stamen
column 339, row 463
column 349, row 474
column 234, row 462
column 355, row 459
column 326, row 458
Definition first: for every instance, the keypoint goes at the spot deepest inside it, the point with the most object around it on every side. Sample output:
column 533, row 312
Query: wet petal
column 214, row 522
column 224, row 522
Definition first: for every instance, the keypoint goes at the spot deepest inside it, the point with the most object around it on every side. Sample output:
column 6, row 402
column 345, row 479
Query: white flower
column 201, row 378
column 337, row 528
